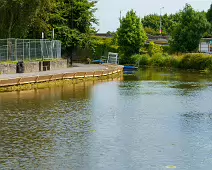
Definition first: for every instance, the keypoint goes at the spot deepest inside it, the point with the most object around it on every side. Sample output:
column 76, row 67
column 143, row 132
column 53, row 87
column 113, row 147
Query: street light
column 161, row 20
column 121, row 12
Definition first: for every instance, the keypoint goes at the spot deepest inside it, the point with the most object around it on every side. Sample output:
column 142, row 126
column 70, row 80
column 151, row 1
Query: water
column 154, row 119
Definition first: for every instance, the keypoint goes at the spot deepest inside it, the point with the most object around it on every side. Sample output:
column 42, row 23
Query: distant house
column 205, row 45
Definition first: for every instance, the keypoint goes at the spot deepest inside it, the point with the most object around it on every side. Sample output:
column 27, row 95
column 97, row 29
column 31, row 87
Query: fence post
column 7, row 49
column 23, row 51
column 35, row 49
column 29, row 51
column 16, row 55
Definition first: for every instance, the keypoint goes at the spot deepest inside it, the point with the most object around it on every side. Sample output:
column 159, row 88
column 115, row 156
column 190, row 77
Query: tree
column 151, row 23
column 131, row 35
column 209, row 14
column 40, row 22
column 16, row 16
column 209, row 18
column 73, row 21
column 154, row 48
column 187, row 33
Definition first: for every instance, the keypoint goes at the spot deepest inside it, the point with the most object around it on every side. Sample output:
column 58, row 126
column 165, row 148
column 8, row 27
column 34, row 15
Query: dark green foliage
column 209, row 14
column 102, row 46
column 16, row 16
column 166, row 49
column 125, row 60
column 187, row 33
column 131, row 35
column 72, row 20
column 151, row 23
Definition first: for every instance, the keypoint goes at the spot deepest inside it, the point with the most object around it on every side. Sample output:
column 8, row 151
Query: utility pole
column 161, row 20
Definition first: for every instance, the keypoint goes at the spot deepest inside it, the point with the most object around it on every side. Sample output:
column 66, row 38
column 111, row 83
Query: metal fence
column 24, row 49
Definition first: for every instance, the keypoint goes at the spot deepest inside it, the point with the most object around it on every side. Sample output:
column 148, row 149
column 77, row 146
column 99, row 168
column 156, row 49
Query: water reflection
column 149, row 120
column 39, row 127
column 162, row 74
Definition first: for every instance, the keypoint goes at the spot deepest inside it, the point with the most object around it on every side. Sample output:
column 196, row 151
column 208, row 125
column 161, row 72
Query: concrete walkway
column 77, row 67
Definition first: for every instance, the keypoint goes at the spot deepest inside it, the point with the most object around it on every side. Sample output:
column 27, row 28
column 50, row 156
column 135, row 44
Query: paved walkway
column 76, row 68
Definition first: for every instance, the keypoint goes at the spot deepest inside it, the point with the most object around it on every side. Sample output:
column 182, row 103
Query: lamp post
column 121, row 13
column 161, row 20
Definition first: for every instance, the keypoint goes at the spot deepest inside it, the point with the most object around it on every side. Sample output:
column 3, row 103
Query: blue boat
column 130, row 68
column 97, row 62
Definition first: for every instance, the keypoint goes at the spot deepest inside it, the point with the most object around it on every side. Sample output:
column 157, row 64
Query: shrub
column 195, row 61
column 144, row 60
column 154, row 48
column 141, row 59
column 166, row 49
column 123, row 59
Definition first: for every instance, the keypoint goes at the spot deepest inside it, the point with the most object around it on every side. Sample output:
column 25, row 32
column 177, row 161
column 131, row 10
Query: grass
column 194, row 61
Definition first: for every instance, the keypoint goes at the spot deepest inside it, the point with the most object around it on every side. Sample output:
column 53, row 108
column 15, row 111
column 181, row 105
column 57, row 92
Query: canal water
column 153, row 120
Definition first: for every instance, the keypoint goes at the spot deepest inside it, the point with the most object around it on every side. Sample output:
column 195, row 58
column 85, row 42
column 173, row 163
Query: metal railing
column 29, row 49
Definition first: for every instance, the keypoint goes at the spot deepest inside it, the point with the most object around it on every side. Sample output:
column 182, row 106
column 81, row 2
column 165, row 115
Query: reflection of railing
column 64, row 76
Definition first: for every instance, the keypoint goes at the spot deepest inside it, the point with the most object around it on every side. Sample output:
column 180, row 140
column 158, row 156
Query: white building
column 204, row 47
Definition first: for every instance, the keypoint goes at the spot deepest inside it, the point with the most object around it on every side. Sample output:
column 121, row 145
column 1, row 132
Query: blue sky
column 108, row 11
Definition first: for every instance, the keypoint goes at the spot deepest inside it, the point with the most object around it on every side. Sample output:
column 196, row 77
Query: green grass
column 194, row 61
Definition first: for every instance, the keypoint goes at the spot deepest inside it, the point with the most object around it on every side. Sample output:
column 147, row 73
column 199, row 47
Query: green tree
column 187, row 33
column 209, row 14
column 16, row 15
column 151, row 23
column 209, row 18
column 154, row 48
column 131, row 35
column 73, row 21
column 40, row 22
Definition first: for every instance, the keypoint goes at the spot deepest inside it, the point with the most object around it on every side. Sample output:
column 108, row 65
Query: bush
column 141, row 59
column 154, row 48
column 195, row 61
column 144, row 60
column 123, row 59
column 166, row 49
column 161, row 60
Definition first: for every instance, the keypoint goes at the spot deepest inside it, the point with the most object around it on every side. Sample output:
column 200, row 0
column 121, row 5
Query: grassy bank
column 195, row 61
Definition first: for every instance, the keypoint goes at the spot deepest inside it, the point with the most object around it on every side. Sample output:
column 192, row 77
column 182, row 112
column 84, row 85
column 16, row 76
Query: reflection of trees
column 185, row 81
column 44, row 126
column 162, row 74
column 32, row 121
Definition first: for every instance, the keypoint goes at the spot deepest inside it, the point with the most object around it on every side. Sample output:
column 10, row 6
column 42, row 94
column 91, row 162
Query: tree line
column 72, row 20
column 151, row 22
column 186, row 28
